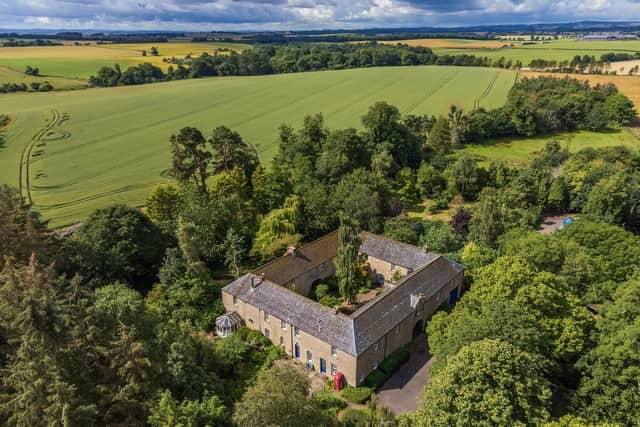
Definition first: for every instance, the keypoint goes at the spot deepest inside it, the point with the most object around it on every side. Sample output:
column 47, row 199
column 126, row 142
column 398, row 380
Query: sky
column 228, row 15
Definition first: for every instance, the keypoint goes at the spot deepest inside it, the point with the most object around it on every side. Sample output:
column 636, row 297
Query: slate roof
column 288, row 267
column 376, row 318
column 356, row 333
column 397, row 253
column 297, row 310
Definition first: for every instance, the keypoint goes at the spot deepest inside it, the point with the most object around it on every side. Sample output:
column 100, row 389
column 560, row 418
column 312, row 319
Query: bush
column 356, row 394
column 354, row 418
column 322, row 290
column 329, row 301
column 376, row 378
column 439, row 205
column 328, row 400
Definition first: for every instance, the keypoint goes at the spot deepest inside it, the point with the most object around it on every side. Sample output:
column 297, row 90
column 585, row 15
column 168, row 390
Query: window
column 281, row 341
column 266, row 332
column 393, row 267
column 397, row 329
column 235, row 300
column 375, row 365
column 296, row 331
column 334, row 369
column 266, row 316
column 283, row 325
column 309, row 356
column 334, row 350
column 376, row 346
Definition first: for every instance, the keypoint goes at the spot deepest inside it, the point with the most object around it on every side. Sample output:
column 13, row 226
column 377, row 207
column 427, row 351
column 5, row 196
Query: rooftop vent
column 292, row 250
column 256, row 281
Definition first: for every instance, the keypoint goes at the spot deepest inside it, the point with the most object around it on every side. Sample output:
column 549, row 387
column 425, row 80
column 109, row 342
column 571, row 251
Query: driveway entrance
column 403, row 391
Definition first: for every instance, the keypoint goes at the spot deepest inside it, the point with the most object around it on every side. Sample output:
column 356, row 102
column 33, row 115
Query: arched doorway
column 418, row 328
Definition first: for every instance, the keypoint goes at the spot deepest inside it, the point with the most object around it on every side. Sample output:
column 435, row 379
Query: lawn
column 73, row 152
column 84, row 61
column 519, row 152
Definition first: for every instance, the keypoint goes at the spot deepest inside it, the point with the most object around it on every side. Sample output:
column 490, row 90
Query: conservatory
column 227, row 324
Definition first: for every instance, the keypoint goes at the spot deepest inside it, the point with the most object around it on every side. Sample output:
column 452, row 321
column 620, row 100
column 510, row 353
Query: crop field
column 11, row 76
column 72, row 152
column 451, row 43
column 84, row 61
column 519, row 152
column 628, row 85
column 559, row 50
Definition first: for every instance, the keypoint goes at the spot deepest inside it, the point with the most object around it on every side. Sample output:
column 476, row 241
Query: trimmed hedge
column 356, row 394
column 376, row 378
column 390, row 365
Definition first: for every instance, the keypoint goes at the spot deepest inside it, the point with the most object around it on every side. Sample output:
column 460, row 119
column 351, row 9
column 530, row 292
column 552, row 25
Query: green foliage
column 356, row 394
column 329, row 403
column 190, row 157
column 277, row 230
column 619, row 109
column 322, row 290
column 430, row 182
column 347, row 259
column 615, row 200
column 354, row 418
column 120, row 303
column 279, row 397
column 403, row 228
column 163, row 204
column 169, row 412
column 439, row 139
column 465, row 178
column 608, row 390
column 376, row 378
column 487, row 383
column 115, row 244
column 486, row 226
column 21, row 230
column 439, row 237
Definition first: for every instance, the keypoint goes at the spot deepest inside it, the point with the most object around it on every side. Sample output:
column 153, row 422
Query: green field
column 558, row 50
column 518, row 152
column 72, row 152
column 59, row 83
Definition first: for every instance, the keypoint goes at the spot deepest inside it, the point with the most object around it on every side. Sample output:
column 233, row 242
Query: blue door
column 453, row 296
column 323, row 366
column 296, row 350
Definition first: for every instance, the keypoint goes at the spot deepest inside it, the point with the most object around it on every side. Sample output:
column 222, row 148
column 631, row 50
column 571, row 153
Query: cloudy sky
column 299, row 14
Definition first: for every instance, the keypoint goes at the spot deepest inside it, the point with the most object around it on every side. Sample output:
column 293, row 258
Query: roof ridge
column 306, row 245
column 374, row 301
column 396, row 242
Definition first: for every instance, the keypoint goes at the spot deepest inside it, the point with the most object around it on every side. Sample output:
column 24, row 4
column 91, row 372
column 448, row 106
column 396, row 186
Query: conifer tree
column 346, row 262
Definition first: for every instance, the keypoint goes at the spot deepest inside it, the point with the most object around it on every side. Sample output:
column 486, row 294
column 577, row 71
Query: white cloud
column 299, row 14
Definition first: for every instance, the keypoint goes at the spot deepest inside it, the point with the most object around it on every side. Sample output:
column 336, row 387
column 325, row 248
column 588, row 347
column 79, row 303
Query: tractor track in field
column 24, row 176
column 487, row 91
column 431, row 92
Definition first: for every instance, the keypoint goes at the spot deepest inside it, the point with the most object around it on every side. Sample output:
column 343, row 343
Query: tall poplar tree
column 346, row 261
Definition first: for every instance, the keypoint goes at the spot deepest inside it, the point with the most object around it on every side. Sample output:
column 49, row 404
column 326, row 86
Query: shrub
column 354, row 418
column 328, row 400
column 329, row 301
column 356, row 394
column 376, row 378
column 322, row 290
column 439, row 205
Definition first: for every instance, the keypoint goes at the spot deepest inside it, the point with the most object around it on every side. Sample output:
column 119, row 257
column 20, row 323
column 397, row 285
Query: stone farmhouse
column 275, row 300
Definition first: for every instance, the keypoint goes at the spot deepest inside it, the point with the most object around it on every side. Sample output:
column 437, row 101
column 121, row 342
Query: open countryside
column 558, row 50
column 112, row 146
column 84, row 61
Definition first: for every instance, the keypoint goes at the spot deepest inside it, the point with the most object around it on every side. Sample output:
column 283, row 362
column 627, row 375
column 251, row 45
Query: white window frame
column 376, row 346
column 334, row 351
column 281, row 341
column 266, row 316
column 334, row 369
column 296, row 331
column 283, row 325
column 309, row 356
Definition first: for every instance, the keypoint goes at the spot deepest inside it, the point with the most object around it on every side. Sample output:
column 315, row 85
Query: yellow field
column 623, row 67
column 450, row 43
column 629, row 85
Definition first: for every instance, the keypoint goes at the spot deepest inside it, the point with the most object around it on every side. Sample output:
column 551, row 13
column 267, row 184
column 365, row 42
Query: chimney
column 292, row 250
column 255, row 282
column 425, row 248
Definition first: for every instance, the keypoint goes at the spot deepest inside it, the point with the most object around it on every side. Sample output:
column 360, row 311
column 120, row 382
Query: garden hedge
column 356, row 394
